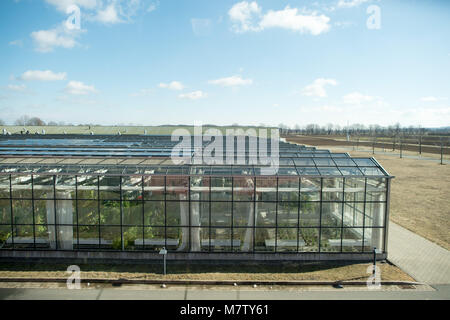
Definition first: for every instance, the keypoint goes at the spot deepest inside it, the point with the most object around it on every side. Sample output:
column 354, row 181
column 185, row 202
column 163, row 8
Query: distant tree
column 52, row 123
column 2, row 123
column 22, row 121
column 35, row 121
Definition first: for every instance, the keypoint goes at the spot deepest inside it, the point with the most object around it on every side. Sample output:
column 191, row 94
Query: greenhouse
column 124, row 197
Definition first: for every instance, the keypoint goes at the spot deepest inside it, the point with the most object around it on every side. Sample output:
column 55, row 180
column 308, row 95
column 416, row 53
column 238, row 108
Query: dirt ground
column 286, row 271
column 420, row 195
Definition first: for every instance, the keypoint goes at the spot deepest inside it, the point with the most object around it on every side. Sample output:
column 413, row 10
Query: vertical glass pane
column 177, row 188
column 88, row 237
column 154, row 213
column 221, row 214
column 65, row 187
column 375, row 212
column 331, row 214
column 132, row 237
column 354, row 189
column 330, row 240
column 243, row 214
column 174, row 239
column 87, row 212
column 376, row 189
column 288, row 189
column 308, row 240
column 243, row 189
column 177, row 213
column 42, row 236
column 204, row 234
column 310, row 214
column 266, row 214
column 111, row 238
column 109, row 187
column 353, row 214
column 266, row 188
column 87, row 187
column 332, row 189
column 5, row 237
column 221, row 188
column 109, row 212
column 4, row 187
column 195, row 237
column 352, row 240
column 132, row 212
column 154, row 187
column 200, row 188
column 21, row 186
column 287, row 214
column 5, row 211
column 243, row 239
column 23, row 237
column 221, row 239
column 310, row 189
column 154, row 238
column 287, row 239
column 265, row 239
column 22, row 212
column 373, row 237
column 132, row 188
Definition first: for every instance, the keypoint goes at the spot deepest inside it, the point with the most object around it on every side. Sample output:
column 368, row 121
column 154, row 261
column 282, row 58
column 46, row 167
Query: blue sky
column 248, row 62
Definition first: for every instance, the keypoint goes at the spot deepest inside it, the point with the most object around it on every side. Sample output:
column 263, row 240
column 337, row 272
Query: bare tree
column 22, row 121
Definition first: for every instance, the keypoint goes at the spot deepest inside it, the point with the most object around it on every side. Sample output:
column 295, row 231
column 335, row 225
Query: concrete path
column 424, row 260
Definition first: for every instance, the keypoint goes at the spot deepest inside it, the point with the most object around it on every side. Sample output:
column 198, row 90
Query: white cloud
column 14, row 87
column 317, row 88
column 18, row 43
column 79, row 88
column 350, row 3
column 108, row 15
column 231, row 81
column 62, row 5
column 291, row 19
column 432, row 99
column 47, row 40
column 38, row 75
column 193, row 95
column 357, row 98
column 174, row 85
column 247, row 16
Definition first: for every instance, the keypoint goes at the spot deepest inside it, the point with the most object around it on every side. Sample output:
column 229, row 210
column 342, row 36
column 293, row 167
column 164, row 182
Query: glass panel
column 354, row 189
column 65, row 187
column 287, row 214
column 5, row 235
column 332, row 189
column 221, row 214
column 110, row 187
column 364, row 162
column 204, row 234
column 243, row 239
column 310, row 189
column 352, row 240
column 132, row 188
column 88, row 237
column 195, row 239
column 221, row 239
column 324, row 162
column 22, row 212
column 373, row 237
column 375, row 212
column 4, row 187
column 154, row 188
column 221, row 188
column 87, row 212
column 177, row 213
column 266, row 189
column 330, row 240
column 111, row 238
column 21, row 186
column 5, row 211
column 109, row 212
column 154, row 239
column 42, row 236
column 287, row 239
column 87, row 187
column 200, row 188
column 243, row 189
column 177, row 188
column 265, row 239
column 376, row 189
column 265, row 214
column 331, row 214
column 353, row 214
column 288, row 189
column 23, row 237
column 243, row 213
column 43, row 187
column 177, row 239
column 310, row 214
column 132, row 237
column 154, row 213
column 371, row 171
column 132, row 213
column 308, row 240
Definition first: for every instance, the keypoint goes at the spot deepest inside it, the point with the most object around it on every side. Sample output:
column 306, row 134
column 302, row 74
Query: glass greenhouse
column 126, row 194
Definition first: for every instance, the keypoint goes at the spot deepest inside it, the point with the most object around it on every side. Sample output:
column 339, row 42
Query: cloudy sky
column 248, row 62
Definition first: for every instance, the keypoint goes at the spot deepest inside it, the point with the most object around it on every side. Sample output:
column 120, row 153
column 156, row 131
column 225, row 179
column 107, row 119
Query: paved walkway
column 424, row 260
